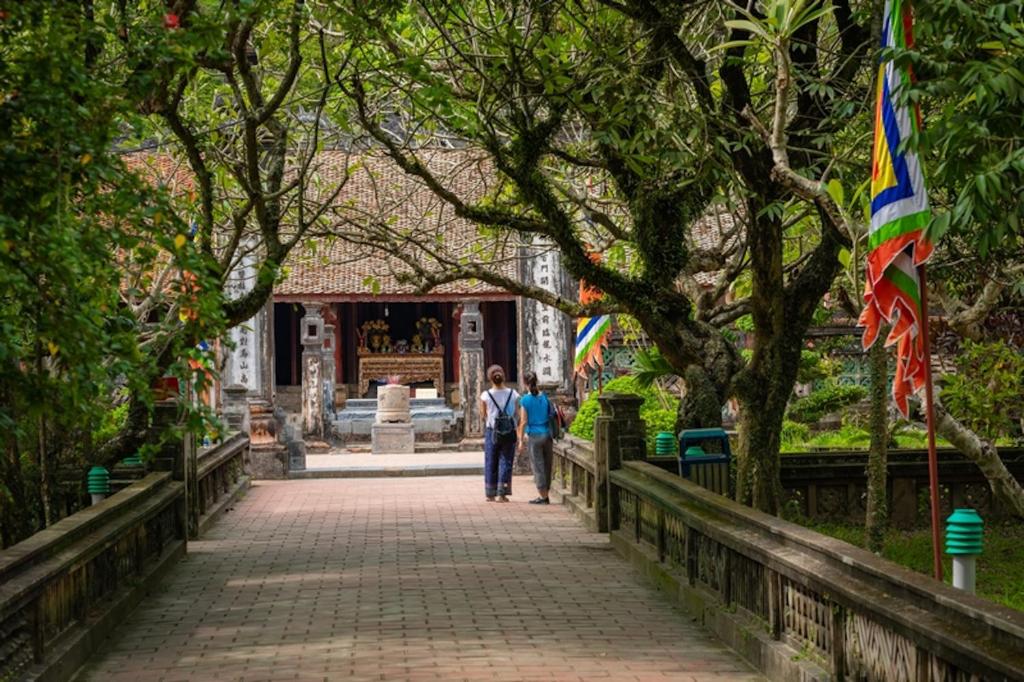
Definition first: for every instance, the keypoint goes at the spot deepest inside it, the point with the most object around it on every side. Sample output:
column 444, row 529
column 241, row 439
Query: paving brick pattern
column 396, row 579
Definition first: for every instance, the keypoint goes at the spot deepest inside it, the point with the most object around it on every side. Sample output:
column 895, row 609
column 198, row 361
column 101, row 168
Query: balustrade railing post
column 775, row 603
column 691, row 556
column 838, row 642
column 618, row 436
column 661, row 535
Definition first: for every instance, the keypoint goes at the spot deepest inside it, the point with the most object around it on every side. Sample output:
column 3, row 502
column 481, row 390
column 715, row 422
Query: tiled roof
column 708, row 234
column 376, row 189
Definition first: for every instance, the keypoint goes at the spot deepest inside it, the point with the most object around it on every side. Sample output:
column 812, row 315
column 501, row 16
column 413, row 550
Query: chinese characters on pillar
column 242, row 363
column 547, row 341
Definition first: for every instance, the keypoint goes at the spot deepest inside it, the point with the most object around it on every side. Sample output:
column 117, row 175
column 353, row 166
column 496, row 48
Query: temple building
column 347, row 316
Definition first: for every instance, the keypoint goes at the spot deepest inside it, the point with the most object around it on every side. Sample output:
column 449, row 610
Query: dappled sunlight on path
column 405, row 579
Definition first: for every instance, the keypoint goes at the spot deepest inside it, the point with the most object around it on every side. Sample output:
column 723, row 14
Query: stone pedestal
column 432, row 421
column 391, row 439
column 236, row 407
column 392, row 431
column 269, row 461
column 471, row 367
column 267, row 457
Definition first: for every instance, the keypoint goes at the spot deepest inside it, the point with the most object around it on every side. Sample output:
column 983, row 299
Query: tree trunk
column 758, row 483
column 877, row 516
column 44, row 474
column 764, row 389
column 701, row 406
column 1004, row 486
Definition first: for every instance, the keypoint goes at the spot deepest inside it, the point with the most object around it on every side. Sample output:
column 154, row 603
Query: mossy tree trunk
column 782, row 306
column 877, row 516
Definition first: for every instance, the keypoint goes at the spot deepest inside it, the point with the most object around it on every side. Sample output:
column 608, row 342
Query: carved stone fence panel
column 575, row 478
column 60, row 586
column 833, row 486
column 799, row 604
column 220, row 476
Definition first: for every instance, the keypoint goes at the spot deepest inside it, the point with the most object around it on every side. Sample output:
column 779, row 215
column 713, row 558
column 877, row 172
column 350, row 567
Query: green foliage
column 830, row 398
column 987, row 393
column 815, row 367
column 650, row 365
column 969, row 60
column 80, row 234
column 656, row 417
column 794, row 436
column 847, row 437
column 905, row 435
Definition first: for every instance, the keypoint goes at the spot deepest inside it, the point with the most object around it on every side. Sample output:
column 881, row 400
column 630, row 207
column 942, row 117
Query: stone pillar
column 244, row 364
column 329, row 369
column 545, row 340
column 619, row 435
column 471, row 367
column 311, row 331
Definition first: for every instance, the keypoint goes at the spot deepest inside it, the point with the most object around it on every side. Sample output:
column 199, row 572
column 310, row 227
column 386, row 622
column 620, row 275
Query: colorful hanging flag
column 899, row 214
column 591, row 333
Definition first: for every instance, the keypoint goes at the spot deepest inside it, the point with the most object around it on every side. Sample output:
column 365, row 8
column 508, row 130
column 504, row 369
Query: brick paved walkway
column 396, row 579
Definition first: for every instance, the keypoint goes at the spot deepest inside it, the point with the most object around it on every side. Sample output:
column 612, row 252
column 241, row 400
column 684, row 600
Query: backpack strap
column 501, row 410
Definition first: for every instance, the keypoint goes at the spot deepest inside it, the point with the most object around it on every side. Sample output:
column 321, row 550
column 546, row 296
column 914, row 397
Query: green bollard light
column 665, row 444
column 98, row 483
column 964, row 532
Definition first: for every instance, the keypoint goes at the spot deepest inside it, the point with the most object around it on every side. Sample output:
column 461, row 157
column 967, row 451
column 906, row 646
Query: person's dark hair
column 531, row 383
column 496, row 375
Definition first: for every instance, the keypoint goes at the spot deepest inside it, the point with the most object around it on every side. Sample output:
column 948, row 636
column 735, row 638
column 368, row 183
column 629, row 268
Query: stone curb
column 391, row 472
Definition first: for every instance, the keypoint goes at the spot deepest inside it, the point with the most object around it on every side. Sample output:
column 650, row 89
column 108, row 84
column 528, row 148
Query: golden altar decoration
column 410, row 367
column 422, row 361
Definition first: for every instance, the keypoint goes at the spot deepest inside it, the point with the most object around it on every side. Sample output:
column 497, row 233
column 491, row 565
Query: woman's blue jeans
column 498, row 459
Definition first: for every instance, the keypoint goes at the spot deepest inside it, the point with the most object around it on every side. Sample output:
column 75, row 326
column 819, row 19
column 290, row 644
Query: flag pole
column 929, row 396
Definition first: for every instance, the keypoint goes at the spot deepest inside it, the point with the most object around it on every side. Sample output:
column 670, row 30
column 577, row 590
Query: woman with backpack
column 499, row 404
column 536, row 414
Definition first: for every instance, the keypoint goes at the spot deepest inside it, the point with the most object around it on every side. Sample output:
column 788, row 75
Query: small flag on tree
column 591, row 332
column 899, row 214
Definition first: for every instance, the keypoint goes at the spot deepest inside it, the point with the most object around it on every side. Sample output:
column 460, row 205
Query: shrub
column 656, row 416
column 826, row 400
column 847, row 437
column 987, row 390
column 794, row 436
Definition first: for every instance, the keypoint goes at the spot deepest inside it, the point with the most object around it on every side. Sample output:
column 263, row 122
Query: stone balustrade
column 221, row 477
column 64, row 587
column 795, row 603
column 574, row 479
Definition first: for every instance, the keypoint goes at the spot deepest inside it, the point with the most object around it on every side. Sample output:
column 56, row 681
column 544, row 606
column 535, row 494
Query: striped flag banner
column 591, row 332
column 899, row 214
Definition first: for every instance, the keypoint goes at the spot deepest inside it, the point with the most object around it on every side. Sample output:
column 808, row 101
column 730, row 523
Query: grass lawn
column 1000, row 567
